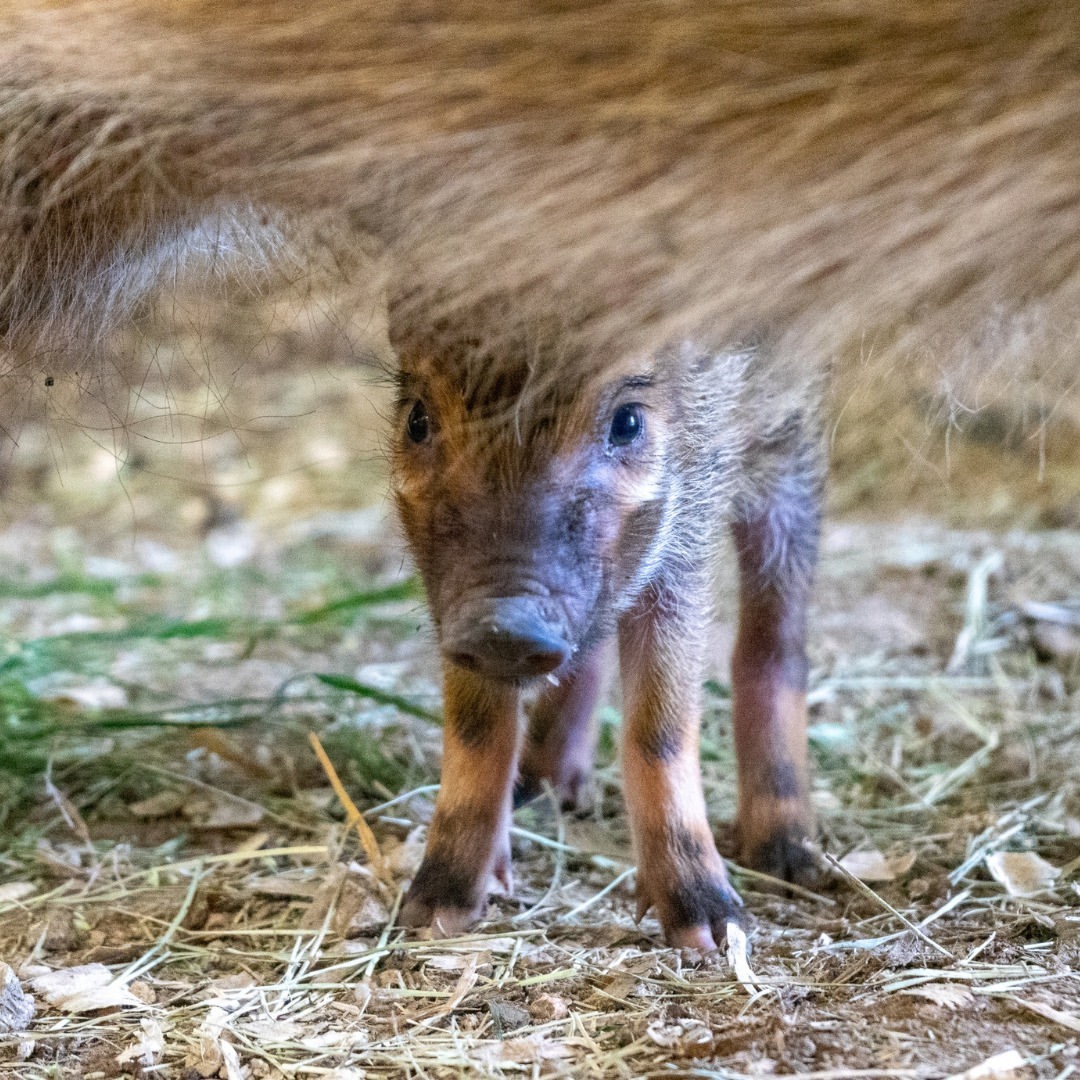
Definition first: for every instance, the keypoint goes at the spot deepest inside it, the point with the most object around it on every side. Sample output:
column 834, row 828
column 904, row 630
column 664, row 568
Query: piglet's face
column 535, row 504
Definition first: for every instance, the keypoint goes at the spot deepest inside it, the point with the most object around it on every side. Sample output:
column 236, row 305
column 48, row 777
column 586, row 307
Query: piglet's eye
column 627, row 425
column 418, row 425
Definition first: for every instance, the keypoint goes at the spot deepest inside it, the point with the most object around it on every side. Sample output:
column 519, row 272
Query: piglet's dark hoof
column 694, row 915
column 787, row 856
column 444, row 921
column 448, row 898
column 443, row 898
column 570, row 791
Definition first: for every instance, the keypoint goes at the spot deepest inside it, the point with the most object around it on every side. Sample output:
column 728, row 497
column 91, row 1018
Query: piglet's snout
column 507, row 637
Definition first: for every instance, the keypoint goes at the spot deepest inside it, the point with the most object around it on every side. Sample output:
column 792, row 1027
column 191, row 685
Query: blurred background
column 264, row 399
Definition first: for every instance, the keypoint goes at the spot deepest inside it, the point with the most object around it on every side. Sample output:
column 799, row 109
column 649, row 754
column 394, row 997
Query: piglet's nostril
column 505, row 638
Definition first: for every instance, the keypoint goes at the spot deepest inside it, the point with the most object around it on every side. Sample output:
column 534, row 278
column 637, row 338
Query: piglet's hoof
column 570, row 789
column 443, row 921
column 695, row 913
column 448, row 900
column 443, row 898
column 784, row 854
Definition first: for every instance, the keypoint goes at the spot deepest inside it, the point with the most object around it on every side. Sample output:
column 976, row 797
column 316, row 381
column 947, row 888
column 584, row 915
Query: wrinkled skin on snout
column 529, row 525
column 549, row 509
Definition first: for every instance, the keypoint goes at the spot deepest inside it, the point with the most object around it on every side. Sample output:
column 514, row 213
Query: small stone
column 16, row 1006
column 506, row 1017
column 548, row 1007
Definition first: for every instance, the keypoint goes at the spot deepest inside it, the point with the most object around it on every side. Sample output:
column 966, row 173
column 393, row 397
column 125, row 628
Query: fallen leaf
column 948, row 995
column 462, row 988
column 350, row 898
column 163, row 804
column 13, row 891
column 528, row 1050
column 1003, row 1066
column 149, row 1046
column 214, row 1023
column 92, row 696
column 84, row 989
column 1023, row 873
column 403, row 859
column 143, row 991
column 205, row 1060
column 619, row 986
column 1048, row 1012
column 240, row 980
column 272, row 1032
column 360, row 910
column 220, row 810
column 738, row 957
column 874, row 866
column 303, row 882
column 689, row 1036
column 208, row 1058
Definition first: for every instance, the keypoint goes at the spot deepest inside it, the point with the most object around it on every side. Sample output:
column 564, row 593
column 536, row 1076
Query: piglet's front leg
column 679, row 871
column 468, row 842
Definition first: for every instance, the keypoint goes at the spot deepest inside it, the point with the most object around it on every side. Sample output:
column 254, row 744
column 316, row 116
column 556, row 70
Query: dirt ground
column 193, row 589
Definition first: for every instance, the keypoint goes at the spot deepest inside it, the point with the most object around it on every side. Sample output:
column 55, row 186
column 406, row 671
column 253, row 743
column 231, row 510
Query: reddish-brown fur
column 830, row 179
column 469, row 840
column 541, row 528
column 679, row 870
column 898, row 177
column 769, row 689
